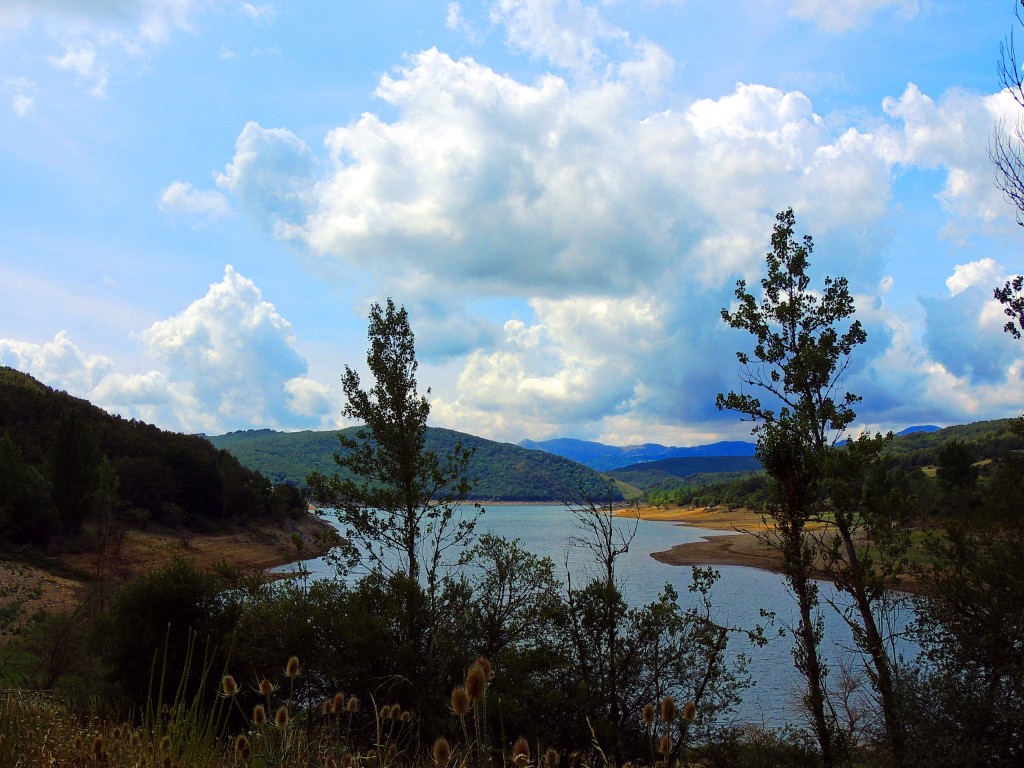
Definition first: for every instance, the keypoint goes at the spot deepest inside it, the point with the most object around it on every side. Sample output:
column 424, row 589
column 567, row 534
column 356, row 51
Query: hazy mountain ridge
column 603, row 457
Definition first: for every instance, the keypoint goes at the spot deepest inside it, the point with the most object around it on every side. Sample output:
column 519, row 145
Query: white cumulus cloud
column 228, row 361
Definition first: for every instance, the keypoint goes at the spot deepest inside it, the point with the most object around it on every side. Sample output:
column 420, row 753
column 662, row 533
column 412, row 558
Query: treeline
column 974, row 467
column 499, row 471
column 64, row 461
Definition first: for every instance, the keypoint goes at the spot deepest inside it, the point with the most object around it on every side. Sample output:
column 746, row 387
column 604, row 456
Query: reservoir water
column 738, row 597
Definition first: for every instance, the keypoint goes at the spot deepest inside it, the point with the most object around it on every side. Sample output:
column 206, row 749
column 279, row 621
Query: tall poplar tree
column 803, row 341
column 398, row 502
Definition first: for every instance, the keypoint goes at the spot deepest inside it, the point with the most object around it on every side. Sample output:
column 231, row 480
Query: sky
column 201, row 199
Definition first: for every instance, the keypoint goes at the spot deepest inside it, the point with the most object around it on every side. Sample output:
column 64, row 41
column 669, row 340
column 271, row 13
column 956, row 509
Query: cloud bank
column 228, row 361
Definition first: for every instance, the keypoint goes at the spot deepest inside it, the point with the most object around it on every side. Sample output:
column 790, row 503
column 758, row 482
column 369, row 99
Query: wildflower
column 228, row 686
column 242, row 745
column 690, row 711
column 460, row 701
column 665, row 745
column 648, row 713
column 485, row 665
column 668, row 709
column 521, row 751
column 476, row 682
column 442, row 751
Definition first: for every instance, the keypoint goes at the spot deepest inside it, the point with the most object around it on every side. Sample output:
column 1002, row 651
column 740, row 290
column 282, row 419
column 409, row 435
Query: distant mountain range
column 605, row 457
column 608, row 457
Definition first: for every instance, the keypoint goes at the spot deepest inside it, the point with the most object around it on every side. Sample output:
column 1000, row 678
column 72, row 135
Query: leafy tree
column 399, row 502
column 1006, row 151
column 803, row 342
column 965, row 699
column 26, row 509
column 73, row 469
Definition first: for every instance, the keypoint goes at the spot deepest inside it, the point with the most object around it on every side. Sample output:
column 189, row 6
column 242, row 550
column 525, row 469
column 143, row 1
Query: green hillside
column 661, row 473
column 63, row 461
column 500, row 471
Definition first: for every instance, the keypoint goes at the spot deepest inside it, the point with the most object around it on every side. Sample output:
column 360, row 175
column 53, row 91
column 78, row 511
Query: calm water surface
column 738, row 596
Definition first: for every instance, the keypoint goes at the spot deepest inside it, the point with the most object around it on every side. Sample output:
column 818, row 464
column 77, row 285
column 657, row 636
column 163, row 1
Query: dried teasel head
column 352, row 705
column 647, row 715
column 690, row 711
column 476, row 682
column 339, row 702
column 442, row 751
column 259, row 715
column 242, row 745
column 521, row 751
column 460, row 701
column 327, row 707
column 668, row 709
column 347, row 761
column 485, row 665
column 665, row 745
column 292, row 668
column 281, row 716
column 384, row 713
column 396, row 712
column 551, row 758
column 406, row 716
column 228, row 686
column 266, row 687
column 392, row 752
column 165, row 743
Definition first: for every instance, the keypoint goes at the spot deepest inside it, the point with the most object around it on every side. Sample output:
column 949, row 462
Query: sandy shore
column 250, row 549
column 745, row 546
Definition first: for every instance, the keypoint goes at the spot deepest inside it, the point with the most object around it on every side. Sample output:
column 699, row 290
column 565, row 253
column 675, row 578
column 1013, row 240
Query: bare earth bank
column 251, row 548
column 745, row 546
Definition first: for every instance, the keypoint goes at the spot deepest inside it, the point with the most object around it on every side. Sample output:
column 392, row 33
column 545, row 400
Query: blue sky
column 201, row 198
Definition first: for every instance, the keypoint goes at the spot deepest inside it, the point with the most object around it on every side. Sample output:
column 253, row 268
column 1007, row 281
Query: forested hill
column 63, row 461
column 501, row 471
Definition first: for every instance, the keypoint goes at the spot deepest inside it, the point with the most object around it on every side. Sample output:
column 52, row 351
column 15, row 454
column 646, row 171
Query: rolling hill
column 501, row 471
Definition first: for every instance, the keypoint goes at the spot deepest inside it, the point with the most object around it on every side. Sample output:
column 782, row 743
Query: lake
column 738, row 597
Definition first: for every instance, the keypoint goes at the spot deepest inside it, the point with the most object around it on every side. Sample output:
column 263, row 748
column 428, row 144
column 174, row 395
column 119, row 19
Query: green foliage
column 154, row 617
column 803, row 339
column 964, row 701
column 399, row 502
column 500, row 471
column 664, row 473
column 166, row 477
column 27, row 514
column 72, row 467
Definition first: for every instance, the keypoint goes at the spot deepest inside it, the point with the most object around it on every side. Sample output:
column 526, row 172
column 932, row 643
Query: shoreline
column 251, row 549
column 741, row 547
